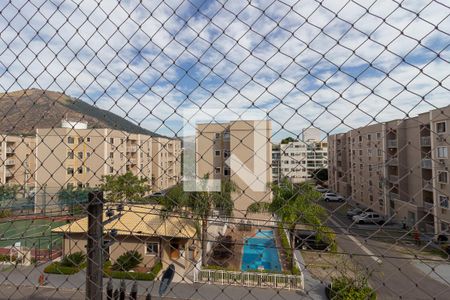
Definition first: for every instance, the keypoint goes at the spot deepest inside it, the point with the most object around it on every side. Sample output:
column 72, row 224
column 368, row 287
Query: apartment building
column 299, row 159
column 78, row 156
column 248, row 142
column 398, row 168
column 276, row 163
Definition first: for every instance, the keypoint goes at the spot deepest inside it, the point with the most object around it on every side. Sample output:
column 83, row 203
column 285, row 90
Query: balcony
column 8, row 173
column 10, row 162
column 425, row 141
column 393, row 162
column 394, row 196
column 392, row 143
column 427, row 185
column 132, row 149
column 426, row 163
column 393, row 178
column 9, row 150
column 131, row 161
column 428, row 205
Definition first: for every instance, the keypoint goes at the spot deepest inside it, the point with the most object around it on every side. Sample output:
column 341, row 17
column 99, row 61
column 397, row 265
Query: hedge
column 150, row 276
column 343, row 289
column 57, row 268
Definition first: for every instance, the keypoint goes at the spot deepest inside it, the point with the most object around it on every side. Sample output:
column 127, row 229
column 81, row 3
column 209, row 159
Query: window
column 441, row 127
column 80, row 170
column 226, row 153
column 360, row 138
column 443, row 201
column 226, row 172
column 88, row 154
column 111, row 141
column 369, row 152
column 88, row 139
column 151, row 248
column 369, row 137
column 217, row 170
column 217, row 135
column 217, row 153
column 69, row 171
column 80, row 185
column 80, row 155
column 442, row 176
column 442, row 152
column 111, row 154
column 378, row 135
column 70, row 140
column 80, row 140
column 380, row 152
column 70, row 154
column 111, row 169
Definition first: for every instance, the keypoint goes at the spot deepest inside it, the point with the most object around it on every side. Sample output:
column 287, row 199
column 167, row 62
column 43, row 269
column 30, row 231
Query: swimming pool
column 260, row 252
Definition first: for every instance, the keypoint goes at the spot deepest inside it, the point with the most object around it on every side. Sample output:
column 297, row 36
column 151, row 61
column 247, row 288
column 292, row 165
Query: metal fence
column 188, row 149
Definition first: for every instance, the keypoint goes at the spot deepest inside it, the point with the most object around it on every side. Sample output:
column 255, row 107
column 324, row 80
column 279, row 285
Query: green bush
column 6, row 257
column 127, row 261
column 133, row 275
column 5, row 213
column 344, row 288
column 57, row 268
column 74, row 260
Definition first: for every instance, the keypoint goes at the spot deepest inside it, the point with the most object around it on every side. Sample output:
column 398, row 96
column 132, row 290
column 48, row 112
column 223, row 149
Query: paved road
column 393, row 273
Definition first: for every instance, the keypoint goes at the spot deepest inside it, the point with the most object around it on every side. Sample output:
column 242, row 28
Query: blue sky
column 305, row 63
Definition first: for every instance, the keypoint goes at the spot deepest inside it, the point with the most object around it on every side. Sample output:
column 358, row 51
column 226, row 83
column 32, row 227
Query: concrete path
column 314, row 289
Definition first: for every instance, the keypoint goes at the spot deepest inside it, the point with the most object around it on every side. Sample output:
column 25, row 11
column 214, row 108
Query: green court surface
column 30, row 233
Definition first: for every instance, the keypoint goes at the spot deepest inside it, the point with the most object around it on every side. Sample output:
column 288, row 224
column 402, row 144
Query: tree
column 296, row 204
column 320, row 174
column 8, row 192
column 201, row 204
column 126, row 187
column 73, row 198
column 287, row 140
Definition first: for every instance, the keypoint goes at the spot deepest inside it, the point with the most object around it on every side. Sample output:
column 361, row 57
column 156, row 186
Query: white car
column 332, row 197
column 368, row 217
column 321, row 189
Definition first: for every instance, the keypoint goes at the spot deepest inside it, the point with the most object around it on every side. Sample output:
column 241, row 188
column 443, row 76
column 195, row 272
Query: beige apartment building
column 398, row 168
column 247, row 141
column 78, row 156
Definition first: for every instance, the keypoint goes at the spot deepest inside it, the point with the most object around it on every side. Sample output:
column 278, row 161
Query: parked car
column 332, row 197
column 356, row 211
column 321, row 189
column 368, row 218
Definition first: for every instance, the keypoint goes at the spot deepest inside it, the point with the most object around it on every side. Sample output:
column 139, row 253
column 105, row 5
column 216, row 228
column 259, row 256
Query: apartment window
column 88, row 154
column 360, row 152
column 70, row 140
column 217, row 153
column 111, row 141
column 442, row 152
column 217, row 170
column 380, row 152
column 369, row 152
column 70, row 154
column 80, row 155
column 69, row 171
column 151, row 248
column 441, row 127
column 217, row 135
column 88, row 139
column 226, row 153
column 111, row 169
column 80, row 185
column 88, row 170
column 378, row 135
column 111, row 154
column 226, row 172
column 369, row 137
column 443, row 201
column 80, row 140
column 442, row 176
column 360, row 138
column 70, row 185
column 80, row 170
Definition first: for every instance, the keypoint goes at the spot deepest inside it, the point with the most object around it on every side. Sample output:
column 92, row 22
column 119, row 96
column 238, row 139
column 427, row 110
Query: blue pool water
column 261, row 250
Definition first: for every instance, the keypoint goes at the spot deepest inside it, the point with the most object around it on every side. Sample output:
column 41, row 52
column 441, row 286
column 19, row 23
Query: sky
column 333, row 65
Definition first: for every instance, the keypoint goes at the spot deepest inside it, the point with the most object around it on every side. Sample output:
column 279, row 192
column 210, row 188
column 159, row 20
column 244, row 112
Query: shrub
column 5, row 213
column 345, row 288
column 127, row 261
column 133, row 275
column 74, row 260
column 57, row 268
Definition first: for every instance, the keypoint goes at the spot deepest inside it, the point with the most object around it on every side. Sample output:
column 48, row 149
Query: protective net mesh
column 224, row 149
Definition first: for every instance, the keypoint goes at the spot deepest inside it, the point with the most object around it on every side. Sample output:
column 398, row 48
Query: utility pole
column 94, row 274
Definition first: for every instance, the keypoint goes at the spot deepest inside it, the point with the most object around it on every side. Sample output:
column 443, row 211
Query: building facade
column 246, row 141
column 74, row 155
column 299, row 159
column 398, row 168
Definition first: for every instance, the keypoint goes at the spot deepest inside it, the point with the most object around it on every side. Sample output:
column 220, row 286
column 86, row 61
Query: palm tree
column 201, row 204
column 297, row 204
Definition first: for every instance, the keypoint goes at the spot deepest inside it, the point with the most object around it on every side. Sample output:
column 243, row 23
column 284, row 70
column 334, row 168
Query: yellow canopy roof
column 143, row 220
